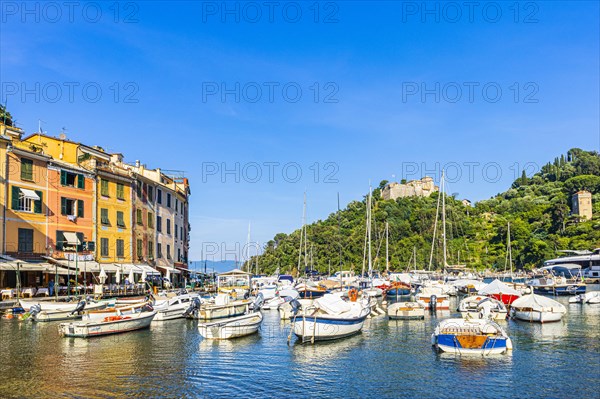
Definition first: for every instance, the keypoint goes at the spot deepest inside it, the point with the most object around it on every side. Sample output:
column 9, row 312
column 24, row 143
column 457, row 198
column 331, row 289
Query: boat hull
column 536, row 316
column 504, row 298
column 93, row 328
column 442, row 302
column 450, row 343
column 574, row 289
column 406, row 311
column 235, row 327
column 319, row 328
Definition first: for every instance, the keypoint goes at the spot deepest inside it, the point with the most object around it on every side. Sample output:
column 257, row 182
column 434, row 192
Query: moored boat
column 330, row 317
column 222, row 307
column 591, row 297
column 233, row 327
column 433, row 298
column 470, row 337
column 537, row 308
column 108, row 325
column 406, row 311
column 174, row 308
column 500, row 291
column 482, row 307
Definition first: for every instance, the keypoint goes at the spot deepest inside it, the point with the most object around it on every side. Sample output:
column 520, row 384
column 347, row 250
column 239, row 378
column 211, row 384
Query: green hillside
column 538, row 208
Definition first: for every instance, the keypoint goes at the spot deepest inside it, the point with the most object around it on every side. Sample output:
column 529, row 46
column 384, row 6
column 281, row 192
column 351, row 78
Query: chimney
column 137, row 163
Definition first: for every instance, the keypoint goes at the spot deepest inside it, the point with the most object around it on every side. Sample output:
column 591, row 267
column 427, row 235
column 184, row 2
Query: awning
column 29, row 194
column 34, row 267
column 87, row 266
column 71, row 238
column 137, row 268
column 169, row 269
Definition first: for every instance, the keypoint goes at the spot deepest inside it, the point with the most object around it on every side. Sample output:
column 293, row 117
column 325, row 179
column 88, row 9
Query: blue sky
column 358, row 91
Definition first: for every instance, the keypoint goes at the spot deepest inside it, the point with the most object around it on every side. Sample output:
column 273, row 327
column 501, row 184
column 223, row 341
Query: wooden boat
column 308, row 290
column 470, row 337
column 330, row 317
column 233, row 327
column 115, row 324
column 406, row 311
column 99, row 314
column 537, row 308
column 398, row 288
column 482, row 307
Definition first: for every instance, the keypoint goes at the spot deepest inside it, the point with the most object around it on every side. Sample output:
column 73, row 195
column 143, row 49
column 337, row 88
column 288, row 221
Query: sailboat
column 434, row 295
column 370, row 290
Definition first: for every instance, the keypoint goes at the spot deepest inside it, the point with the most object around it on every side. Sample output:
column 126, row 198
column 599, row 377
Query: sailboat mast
column 444, row 218
column 305, row 238
column 387, row 253
column 437, row 212
column 302, row 233
column 510, row 252
column 369, row 230
column 248, row 267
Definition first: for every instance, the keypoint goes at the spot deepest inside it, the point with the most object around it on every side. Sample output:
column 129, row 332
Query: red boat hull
column 505, row 298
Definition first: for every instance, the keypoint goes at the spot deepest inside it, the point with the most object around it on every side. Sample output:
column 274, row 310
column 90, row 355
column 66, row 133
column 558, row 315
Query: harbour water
column 388, row 359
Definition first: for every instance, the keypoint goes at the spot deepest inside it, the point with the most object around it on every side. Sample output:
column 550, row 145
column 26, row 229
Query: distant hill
column 538, row 208
column 217, row 266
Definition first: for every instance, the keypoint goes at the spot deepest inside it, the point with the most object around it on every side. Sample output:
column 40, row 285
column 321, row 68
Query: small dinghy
column 591, row 297
column 174, row 308
column 470, row 337
column 223, row 307
column 537, row 308
column 406, row 311
column 481, row 307
column 234, row 327
column 433, row 298
column 108, row 325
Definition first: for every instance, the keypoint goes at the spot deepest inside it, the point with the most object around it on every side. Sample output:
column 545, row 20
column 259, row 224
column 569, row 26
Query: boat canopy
column 498, row 287
column 538, row 303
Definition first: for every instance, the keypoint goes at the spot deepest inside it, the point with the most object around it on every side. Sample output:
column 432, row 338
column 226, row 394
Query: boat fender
column 353, row 294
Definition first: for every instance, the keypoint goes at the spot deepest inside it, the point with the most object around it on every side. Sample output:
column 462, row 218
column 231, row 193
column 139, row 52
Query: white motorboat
column 482, row 307
column 26, row 304
column 329, row 317
column 537, row 308
column 222, row 307
column 232, row 327
column 406, row 311
column 281, row 297
column 286, row 310
column 100, row 314
column 174, row 308
column 433, row 298
column 470, row 337
column 116, row 324
column 67, row 311
column 591, row 297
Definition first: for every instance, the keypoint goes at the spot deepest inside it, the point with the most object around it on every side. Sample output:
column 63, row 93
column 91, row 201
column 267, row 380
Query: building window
column 159, row 250
column 178, row 254
column 120, row 219
column 150, row 250
column 168, row 226
column 176, row 231
column 104, row 187
column 158, row 196
column 181, row 236
column 72, row 179
column 150, row 194
column 150, row 220
column 120, row 248
column 168, row 251
column 138, row 217
column 168, row 200
column 120, row 191
column 140, row 249
column 104, row 216
column 26, row 200
column 104, row 247
column 159, row 224
column 25, row 241
column 71, row 207
column 176, row 205
column 26, row 169
column 69, row 243
column 138, row 189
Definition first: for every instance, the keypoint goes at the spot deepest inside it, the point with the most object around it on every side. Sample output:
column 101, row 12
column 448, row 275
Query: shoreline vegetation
column 538, row 208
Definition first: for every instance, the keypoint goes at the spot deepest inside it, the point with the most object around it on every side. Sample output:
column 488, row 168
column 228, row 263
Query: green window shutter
column 15, row 198
column 26, row 169
column 37, row 205
column 80, row 181
column 63, row 206
column 63, row 178
column 80, row 205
